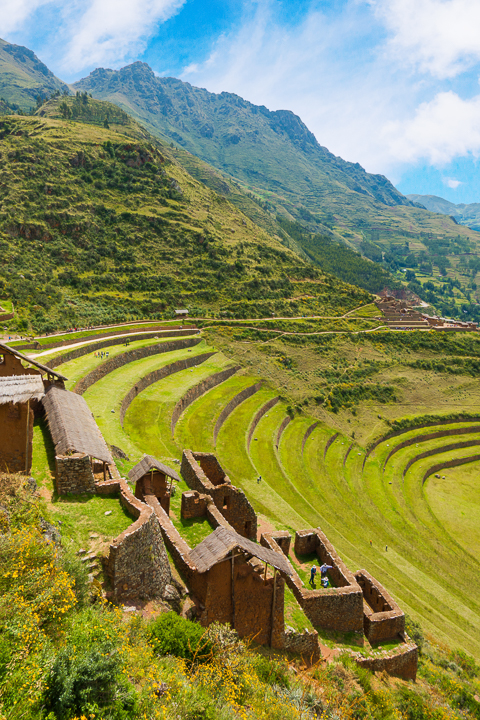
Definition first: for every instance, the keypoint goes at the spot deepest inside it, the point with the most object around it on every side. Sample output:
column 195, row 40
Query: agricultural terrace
column 373, row 437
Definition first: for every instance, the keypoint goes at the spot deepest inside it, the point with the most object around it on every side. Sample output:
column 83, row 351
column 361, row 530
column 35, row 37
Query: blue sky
column 392, row 84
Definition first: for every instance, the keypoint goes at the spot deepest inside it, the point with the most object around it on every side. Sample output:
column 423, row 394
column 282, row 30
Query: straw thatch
column 72, row 426
column 20, row 388
column 39, row 366
column 150, row 463
column 220, row 543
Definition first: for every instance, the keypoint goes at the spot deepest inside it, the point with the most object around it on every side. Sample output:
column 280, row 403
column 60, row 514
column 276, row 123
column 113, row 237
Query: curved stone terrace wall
column 330, row 442
column 286, row 421
column 197, row 390
column 308, row 432
column 88, row 348
column 232, row 405
column 431, row 436
column 448, row 464
column 160, row 374
column 438, row 451
column 131, row 356
column 259, row 414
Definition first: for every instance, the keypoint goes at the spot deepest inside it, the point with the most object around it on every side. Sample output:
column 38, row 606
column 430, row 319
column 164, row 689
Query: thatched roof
column 39, row 366
column 150, row 463
column 72, row 425
column 216, row 547
column 20, row 388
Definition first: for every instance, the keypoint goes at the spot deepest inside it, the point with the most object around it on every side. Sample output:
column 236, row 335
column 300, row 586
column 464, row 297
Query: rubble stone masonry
column 73, row 474
column 383, row 619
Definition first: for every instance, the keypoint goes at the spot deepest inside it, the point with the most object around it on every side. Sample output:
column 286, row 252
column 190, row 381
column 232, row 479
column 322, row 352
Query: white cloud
column 110, row 30
column 437, row 36
column 452, row 183
column 14, row 13
column 88, row 32
column 440, row 130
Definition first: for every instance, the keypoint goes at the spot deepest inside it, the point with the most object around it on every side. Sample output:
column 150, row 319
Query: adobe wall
column 197, row 390
column 202, row 472
column 11, row 365
column 402, row 663
column 383, row 619
column 73, row 474
column 99, row 336
column 253, row 598
column 232, row 405
column 16, row 427
column 159, row 374
column 258, row 416
column 130, row 356
column 92, row 347
column 431, row 436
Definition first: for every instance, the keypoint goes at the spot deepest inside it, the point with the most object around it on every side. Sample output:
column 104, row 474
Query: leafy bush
column 413, row 629
column 171, row 634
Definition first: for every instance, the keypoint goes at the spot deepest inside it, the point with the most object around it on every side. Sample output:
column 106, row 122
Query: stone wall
column 286, row 421
column 197, row 390
column 73, row 474
column 203, row 473
column 130, row 356
column 350, row 448
column 431, row 436
column 437, row 451
column 159, row 374
column 383, row 619
column 337, row 608
column 234, row 403
column 448, row 464
column 35, row 345
column 7, row 317
column 93, row 347
column 402, row 663
column 308, row 432
column 194, row 505
column 304, row 644
column 258, row 416
column 329, row 442
column 137, row 565
column 420, row 426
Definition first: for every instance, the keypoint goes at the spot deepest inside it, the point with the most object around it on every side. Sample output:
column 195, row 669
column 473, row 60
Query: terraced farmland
column 406, row 509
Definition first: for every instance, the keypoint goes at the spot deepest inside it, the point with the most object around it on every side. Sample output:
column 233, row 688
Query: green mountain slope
column 102, row 224
column 271, row 154
column 464, row 213
column 23, row 77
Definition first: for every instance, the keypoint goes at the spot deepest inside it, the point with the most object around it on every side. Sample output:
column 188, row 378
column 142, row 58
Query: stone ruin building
column 203, row 473
column 152, row 477
column 23, row 383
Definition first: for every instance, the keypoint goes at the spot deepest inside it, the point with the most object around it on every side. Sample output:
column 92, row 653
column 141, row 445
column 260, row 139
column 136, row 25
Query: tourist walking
column 313, row 572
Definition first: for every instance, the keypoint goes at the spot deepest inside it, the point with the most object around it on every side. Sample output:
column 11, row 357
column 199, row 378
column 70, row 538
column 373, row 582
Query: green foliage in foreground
column 65, row 654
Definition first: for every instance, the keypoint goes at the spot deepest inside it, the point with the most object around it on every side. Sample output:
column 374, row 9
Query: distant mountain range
column 272, row 168
column 466, row 214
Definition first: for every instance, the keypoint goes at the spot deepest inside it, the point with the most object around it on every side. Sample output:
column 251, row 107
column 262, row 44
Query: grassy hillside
column 101, row 224
column 23, row 77
column 273, row 156
column 464, row 213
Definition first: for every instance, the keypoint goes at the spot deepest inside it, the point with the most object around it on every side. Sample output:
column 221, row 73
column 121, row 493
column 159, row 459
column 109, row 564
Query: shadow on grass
column 41, row 423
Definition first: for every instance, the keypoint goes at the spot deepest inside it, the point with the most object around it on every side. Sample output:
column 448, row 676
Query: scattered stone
column 173, row 597
column 160, row 689
column 437, row 476
column 118, row 453
column 50, row 532
column 130, row 608
column 31, row 484
column 82, row 551
column 93, row 535
column 108, row 512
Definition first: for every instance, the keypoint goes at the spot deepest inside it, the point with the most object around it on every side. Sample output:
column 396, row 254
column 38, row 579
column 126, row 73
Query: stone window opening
column 248, row 527
column 2, row 359
column 226, row 502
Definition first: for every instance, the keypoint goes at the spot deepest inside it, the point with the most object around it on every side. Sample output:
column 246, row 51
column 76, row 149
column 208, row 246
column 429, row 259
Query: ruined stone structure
column 382, row 619
column 202, row 472
column 152, row 477
column 197, row 390
column 22, row 385
column 74, row 474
